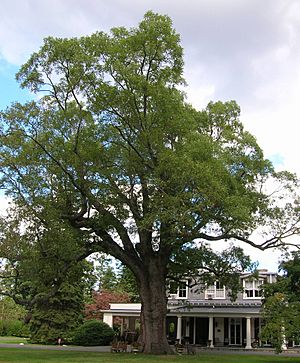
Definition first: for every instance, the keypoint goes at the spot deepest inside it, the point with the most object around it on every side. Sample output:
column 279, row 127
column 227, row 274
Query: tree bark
column 154, row 310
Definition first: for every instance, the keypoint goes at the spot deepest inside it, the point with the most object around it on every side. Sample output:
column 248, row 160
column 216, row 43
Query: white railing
column 213, row 293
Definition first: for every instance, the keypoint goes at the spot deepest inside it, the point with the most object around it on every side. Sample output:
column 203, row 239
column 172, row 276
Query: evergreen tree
column 43, row 270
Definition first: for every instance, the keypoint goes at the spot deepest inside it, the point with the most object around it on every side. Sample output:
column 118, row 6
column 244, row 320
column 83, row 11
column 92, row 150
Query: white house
column 206, row 316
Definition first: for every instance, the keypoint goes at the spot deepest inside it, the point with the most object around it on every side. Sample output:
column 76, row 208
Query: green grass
column 13, row 340
column 40, row 356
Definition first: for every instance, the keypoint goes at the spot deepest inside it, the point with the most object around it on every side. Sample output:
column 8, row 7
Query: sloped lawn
column 40, row 356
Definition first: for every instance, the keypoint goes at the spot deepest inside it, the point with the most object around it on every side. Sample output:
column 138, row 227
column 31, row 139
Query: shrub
column 13, row 328
column 93, row 332
column 17, row 328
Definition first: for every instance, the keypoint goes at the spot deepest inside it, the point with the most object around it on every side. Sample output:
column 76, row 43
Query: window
column 215, row 291
column 252, row 288
column 182, row 290
column 178, row 290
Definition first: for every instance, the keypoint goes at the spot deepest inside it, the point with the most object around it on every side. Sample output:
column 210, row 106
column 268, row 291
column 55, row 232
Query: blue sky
column 10, row 92
column 246, row 50
column 9, row 87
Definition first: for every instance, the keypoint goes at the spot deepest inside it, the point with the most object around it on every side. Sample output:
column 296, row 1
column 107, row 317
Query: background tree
column 12, row 318
column 281, row 309
column 127, row 283
column 115, row 284
column 9, row 310
column 43, row 270
column 105, row 271
column 112, row 148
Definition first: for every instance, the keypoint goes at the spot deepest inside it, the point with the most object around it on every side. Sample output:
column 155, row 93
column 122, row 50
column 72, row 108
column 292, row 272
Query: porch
column 200, row 324
column 210, row 331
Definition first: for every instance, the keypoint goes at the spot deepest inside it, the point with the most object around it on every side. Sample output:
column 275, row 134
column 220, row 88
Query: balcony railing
column 213, row 293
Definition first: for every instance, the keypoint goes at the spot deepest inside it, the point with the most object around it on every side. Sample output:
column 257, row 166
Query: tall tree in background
column 112, row 276
column 43, row 270
column 281, row 308
column 112, row 148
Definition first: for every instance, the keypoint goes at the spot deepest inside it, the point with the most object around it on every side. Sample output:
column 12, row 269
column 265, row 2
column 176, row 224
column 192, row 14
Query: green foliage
column 281, row 309
column 12, row 319
column 111, row 158
column 9, row 310
column 15, row 328
column 41, row 272
column 93, row 332
column 112, row 276
column 105, row 272
column 127, row 283
column 57, row 316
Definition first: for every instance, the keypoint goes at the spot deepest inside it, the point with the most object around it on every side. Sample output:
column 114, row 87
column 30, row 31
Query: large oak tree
column 112, row 148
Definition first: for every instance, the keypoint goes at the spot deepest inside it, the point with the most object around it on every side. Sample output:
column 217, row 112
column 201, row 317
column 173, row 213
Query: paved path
column 218, row 351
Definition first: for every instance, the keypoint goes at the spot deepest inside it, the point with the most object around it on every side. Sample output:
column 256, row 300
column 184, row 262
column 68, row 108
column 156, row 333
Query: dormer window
column 252, row 288
column 215, row 291
column 178, row 290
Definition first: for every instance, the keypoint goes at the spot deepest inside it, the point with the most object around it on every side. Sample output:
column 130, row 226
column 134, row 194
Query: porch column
column 187, row 327
column 248, row 333
column 108, row 319
column 259, row 331
column 211, row 332
column 122, row 326
column 194, row 332
column 179, row 325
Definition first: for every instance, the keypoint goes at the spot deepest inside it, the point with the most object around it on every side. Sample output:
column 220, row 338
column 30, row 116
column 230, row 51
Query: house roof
column 192, row 308
column 217, row 308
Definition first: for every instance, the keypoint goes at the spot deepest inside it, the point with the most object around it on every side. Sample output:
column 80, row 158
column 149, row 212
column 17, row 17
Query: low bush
column 13, row 328
column 93, row 332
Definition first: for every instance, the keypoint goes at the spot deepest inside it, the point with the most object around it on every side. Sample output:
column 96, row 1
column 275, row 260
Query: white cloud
column 4, row 203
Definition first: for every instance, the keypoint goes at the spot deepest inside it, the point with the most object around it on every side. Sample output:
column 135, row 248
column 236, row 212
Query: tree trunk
column 154, row 311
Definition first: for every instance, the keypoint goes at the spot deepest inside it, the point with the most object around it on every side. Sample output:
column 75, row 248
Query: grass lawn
column 13, row 340
column 41, row 356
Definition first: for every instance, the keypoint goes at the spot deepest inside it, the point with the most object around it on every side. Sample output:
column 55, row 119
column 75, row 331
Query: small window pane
column 248, row 284
column 182, row 289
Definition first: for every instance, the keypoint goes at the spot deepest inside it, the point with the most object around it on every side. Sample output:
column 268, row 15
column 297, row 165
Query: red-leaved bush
column 101, row 302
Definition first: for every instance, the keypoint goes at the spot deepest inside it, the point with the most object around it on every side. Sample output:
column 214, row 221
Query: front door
column 235, row 331
column 201, row 331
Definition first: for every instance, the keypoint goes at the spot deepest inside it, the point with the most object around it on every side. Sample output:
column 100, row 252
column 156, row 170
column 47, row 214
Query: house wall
column 197, row 292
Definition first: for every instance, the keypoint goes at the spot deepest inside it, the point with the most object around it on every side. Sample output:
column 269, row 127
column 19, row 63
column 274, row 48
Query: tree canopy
column 112, row 149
